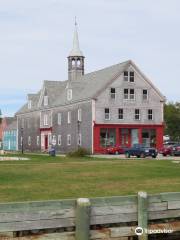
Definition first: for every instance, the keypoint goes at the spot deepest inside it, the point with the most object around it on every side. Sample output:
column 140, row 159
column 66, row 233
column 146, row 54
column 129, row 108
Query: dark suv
column 139, row 150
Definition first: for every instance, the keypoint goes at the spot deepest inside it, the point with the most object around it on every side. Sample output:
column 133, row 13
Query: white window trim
column 59, row 140
column 69, row 139
column 137, row 114
column 79, row 114
column 54, row 140
column 45, row 120
column 113, row 95
column 69, row 94
column 59, row 118
column 29, row 140
column 46, row 100
column 69, row 117
column 130, row 76
column 121, row 114
column 146, row 95
column 149, row 114
column 105, row 114
column 127, row 78
column 129, row 95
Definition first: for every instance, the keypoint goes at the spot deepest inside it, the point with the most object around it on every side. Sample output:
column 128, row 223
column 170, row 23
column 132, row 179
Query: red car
column 168, row 149
column 115, row 150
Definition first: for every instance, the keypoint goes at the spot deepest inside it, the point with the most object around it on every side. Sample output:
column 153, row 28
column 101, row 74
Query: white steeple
column 76, row 52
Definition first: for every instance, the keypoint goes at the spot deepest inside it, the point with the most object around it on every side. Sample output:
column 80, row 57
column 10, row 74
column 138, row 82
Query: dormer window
column 69, row 94
column 29, row 104
column 45, row 100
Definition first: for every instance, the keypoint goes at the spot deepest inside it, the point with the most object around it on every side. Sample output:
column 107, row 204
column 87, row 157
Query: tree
column 172, row 120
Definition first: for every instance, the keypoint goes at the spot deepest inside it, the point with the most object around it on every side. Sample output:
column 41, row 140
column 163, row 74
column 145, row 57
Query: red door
column 46, row 142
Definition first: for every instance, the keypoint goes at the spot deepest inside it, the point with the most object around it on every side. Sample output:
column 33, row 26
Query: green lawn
column 45, row 178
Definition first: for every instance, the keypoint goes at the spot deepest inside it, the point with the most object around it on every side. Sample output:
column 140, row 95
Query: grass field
column 47, row 178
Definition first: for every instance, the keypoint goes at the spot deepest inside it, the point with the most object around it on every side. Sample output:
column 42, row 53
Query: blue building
column 10, row 137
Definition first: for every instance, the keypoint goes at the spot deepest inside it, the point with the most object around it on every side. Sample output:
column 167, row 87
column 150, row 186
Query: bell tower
column 75, row 59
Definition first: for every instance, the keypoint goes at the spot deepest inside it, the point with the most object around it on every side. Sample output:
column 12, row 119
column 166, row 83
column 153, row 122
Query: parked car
column 115, row 150
column 176, row 150
column 168, row 149
column 139, row 150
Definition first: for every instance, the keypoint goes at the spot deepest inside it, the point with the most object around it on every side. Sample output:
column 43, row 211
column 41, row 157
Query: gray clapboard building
column 117, row 105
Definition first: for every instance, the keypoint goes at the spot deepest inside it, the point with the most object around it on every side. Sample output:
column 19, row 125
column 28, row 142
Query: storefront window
column 149, row 137
column 107, row 137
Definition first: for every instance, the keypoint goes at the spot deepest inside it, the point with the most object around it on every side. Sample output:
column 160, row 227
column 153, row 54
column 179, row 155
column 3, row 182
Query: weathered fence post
column 142, row 215
column 83, row 219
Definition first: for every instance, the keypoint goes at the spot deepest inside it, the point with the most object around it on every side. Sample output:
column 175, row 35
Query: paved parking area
column 122, row 156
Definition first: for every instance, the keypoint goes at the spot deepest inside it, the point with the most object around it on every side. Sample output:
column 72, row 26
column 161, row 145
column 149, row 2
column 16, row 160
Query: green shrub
column 80, row 152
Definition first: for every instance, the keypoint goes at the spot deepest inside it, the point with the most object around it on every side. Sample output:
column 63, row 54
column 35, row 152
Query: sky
column 36, row 37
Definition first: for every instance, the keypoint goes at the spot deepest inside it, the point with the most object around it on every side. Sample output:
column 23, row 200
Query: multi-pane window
column 45, row 100
column 131, row 79
column 59, row 140
column 120, row 113
column 126, row 76
column 69, row 94
column 129, row 76
column 129, row 94
column 145, row 94
column 79, row 115
column 59, row 118
column 79, row 139
column 45, row 119
column 126, row 93
column 113, row 93
column 137, row 114
column 68, row 139
column 37, row 140
column 150, row 114
column 107, row 113
column 69, row 118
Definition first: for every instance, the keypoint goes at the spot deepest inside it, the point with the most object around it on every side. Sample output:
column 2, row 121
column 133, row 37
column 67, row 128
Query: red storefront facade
column 126, row 135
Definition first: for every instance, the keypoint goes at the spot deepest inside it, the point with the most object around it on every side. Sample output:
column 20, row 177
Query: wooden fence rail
column 97, row 218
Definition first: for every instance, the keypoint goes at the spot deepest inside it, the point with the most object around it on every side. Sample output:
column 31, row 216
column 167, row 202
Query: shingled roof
column 86, row 87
